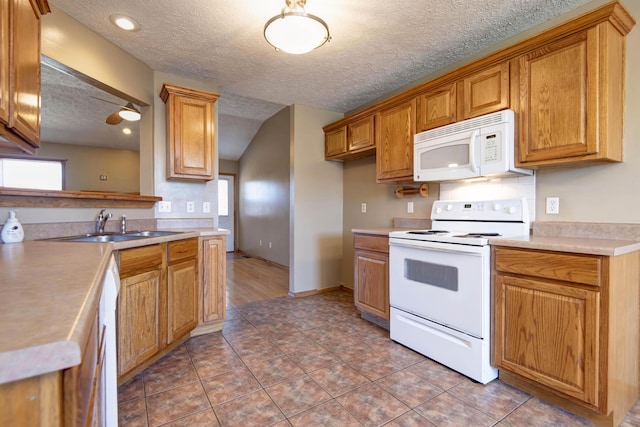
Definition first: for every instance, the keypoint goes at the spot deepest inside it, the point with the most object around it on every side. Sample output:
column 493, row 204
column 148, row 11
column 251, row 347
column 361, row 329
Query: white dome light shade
column 130, row 113
column 295, row 31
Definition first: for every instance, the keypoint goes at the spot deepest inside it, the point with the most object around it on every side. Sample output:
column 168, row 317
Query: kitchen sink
column 115, row 237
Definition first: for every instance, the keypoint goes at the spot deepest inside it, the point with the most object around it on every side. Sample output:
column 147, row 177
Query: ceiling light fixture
column 124, row 22
column 296, row 31
column 129, row 112
column 126, row 131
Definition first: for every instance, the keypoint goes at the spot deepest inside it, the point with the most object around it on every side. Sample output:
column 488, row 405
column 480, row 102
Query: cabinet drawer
column 372, row 243
column 584, row 269
column 181, row 249
column 138, row 260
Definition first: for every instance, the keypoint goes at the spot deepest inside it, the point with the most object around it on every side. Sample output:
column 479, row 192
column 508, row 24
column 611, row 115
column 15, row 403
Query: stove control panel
column 481, row 210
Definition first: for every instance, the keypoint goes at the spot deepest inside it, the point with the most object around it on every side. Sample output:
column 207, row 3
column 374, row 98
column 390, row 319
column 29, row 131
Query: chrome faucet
column 101, row 221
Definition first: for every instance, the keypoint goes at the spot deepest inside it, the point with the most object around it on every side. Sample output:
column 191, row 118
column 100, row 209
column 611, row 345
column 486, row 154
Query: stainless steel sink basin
column 115, row 237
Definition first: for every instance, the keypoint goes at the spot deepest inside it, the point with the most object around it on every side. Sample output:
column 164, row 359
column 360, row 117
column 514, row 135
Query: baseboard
column 319, row 291
column 267, row 261
column 207, row 328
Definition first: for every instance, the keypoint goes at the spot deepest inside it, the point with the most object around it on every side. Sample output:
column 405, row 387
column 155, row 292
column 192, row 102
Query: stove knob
column 497, row 207
column 512, row 209
column 449, row 207
column 438, row 210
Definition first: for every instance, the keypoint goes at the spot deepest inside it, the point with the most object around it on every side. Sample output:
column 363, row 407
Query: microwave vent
column 475, row 123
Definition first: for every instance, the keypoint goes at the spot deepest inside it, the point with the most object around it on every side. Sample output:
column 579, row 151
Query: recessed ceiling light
column 124, row 22
column 126, row 131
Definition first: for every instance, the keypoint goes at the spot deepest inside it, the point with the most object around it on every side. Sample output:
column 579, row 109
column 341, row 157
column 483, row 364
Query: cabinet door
column 139, row 305
column 395, row 128
column 436, row 108
column 4, row 61
column 360, row 134
column 484, row 92
column 214, row 279
column 549, row 333
column 558, row 99
column 24, row 84
column 371, row 284
column 335, row 142
column 182, row 298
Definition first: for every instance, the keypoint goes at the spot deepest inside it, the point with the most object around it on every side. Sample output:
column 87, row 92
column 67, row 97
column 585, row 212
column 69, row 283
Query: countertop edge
column 589, row 246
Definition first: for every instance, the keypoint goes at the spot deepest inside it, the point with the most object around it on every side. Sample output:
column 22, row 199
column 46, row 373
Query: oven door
column 445, row 283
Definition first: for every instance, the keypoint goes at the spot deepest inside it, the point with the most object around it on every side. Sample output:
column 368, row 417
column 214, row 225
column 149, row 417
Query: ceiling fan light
column 130, row 113
column 296, row 32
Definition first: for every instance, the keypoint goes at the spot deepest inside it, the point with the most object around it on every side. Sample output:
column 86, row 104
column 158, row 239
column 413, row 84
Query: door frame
column 235, row 207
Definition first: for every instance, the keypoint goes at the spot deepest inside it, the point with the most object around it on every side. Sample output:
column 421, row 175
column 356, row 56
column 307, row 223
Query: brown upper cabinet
column 483, row 92
column 190, row 132
column 20, row 74
column 571, row 95
column 566, row 86
column 395, row 127
column 350, row 140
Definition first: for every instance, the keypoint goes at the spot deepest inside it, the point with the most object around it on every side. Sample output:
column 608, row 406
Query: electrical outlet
column 409, row 207
column 363, row 208
column 206, row 207
column 191, row 207
column 553, row 205
column 269, row 245
column 260, row 242
column 164, row 206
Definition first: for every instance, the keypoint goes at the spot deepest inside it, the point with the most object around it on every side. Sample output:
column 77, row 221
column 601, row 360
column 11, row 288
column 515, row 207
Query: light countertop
column 591, row 246
column 49, row 295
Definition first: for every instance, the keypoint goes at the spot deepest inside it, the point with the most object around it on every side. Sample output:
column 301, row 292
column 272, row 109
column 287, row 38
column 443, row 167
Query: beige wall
column 85, row 164
column 229, row 166
column 316, row 204
column 382, row 206
column 176, row 191
column 264, row 185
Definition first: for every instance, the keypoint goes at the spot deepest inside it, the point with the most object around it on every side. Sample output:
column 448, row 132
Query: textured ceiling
column 377, row 46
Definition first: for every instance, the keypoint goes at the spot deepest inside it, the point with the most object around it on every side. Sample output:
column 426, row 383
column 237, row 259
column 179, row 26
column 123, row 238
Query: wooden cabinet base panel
column 207, row 328
column 129, row 375
column 614, row 418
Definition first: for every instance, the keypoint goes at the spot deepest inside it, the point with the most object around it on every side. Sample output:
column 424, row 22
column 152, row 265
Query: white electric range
column 439, row 282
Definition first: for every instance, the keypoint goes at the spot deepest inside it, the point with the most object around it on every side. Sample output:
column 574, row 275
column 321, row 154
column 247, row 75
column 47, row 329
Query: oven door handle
column 440, row 247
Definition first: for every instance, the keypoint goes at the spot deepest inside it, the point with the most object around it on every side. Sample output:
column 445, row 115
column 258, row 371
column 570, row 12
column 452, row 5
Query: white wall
column 316, row 204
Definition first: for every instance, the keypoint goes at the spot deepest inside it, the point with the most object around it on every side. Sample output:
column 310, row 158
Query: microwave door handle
column 472, row 151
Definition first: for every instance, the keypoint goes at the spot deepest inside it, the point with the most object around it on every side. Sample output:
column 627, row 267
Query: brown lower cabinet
column 566, row 328
column 158, row 302
column 371, row 274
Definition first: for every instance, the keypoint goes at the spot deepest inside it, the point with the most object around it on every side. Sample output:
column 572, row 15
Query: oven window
column 447, row 156
column 441, row 276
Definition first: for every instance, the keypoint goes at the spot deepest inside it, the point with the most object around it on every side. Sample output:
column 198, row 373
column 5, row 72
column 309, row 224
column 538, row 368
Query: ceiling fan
column 127, row 112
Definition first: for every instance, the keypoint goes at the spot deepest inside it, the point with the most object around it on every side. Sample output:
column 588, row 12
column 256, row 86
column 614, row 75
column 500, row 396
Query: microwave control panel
column 491, row 147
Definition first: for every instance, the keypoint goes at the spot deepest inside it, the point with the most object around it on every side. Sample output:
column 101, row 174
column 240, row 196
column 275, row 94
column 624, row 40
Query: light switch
column 206, row 207
column 409, row 207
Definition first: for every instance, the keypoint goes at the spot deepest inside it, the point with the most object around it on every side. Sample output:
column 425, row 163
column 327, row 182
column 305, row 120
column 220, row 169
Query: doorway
column 227, row 208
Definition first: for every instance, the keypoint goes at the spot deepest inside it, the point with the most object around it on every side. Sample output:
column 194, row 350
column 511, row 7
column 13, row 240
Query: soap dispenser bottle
column 12, row 231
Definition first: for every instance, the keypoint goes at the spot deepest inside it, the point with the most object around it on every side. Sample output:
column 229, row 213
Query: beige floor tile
column 132, row 389
column 230, row 385
column 409, row 388
column 410, row 419
column 495, row 399
column 133, row 413
column 204, row 418
column 275, row 370
column 437, row 374
column 176, row 403
column 371, row 405
column 338, row 379
column 254, row 409
column 537, row 413
column 447, row 410
column 208, row 367
column 297, row 395
column 313, row 358
column 325, row 415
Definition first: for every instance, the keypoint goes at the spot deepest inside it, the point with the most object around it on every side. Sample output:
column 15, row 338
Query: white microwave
column 478, row 147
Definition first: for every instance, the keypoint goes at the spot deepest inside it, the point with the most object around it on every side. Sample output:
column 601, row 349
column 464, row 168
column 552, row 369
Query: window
column 223, row 197
column 38, row 174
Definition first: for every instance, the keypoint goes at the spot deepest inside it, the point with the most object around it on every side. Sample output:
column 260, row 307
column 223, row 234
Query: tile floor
column 313, row 362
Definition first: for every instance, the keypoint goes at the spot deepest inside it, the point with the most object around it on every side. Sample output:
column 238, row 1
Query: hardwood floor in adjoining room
column 254, row 279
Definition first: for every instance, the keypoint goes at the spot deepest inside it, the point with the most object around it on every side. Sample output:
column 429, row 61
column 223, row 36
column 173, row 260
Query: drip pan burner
column 479, row 235
column 428, row 232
